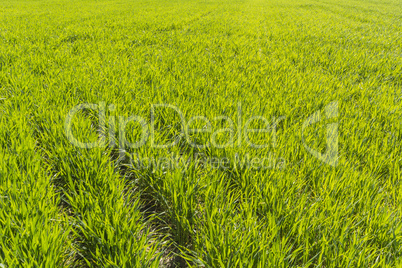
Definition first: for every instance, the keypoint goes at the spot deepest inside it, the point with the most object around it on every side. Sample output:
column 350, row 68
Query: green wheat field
column 201, row 133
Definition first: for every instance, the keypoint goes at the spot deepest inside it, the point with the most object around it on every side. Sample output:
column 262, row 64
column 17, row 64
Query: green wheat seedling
column 127, row 133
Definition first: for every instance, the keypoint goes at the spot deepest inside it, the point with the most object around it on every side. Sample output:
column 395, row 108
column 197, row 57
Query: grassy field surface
column 91, row 90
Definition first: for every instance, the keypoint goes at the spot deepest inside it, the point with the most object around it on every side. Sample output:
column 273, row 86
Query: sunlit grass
column 224, row 61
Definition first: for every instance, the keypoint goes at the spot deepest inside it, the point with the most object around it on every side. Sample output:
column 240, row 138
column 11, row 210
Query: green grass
column 119, row 206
